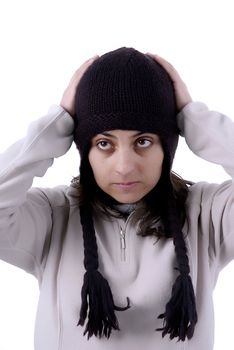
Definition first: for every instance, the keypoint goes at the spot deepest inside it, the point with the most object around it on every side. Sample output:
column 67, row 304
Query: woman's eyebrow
column 105, row 133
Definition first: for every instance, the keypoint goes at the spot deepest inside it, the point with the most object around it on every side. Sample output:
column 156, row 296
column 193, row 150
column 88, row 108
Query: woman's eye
column 104, row 145
column 143, row 143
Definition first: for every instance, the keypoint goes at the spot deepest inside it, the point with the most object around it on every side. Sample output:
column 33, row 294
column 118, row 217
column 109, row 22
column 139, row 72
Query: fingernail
column 94, row 57
column 151, row 54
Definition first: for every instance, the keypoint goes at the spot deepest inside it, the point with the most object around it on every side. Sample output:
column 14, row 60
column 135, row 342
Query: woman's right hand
column 68, row 98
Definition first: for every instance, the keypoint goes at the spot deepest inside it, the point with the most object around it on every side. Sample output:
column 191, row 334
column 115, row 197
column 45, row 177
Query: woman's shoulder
column 58, row 196
column 202, row 191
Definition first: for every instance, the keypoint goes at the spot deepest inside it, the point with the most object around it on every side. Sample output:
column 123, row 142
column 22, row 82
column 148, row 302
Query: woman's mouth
column 126, row 186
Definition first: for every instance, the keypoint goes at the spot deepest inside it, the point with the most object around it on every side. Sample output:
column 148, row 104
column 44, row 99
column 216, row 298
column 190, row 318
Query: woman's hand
column 68, row 98
column 181, row 91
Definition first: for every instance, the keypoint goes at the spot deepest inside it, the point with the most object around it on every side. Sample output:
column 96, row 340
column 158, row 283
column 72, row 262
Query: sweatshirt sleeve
column 25, row 214
column 210, row 135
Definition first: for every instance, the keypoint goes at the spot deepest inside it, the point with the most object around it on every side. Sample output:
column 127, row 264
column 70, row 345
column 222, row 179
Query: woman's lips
column 126, row 186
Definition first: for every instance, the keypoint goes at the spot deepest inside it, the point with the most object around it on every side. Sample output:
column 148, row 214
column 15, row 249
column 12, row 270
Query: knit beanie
column 126, row 89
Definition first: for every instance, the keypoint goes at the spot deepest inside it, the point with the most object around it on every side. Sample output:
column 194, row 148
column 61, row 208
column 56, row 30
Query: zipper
column 122, row 233
column 122, row 244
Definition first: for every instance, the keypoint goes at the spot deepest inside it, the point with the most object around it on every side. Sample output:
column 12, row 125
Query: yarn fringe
column 180, row 316
column 97, row 302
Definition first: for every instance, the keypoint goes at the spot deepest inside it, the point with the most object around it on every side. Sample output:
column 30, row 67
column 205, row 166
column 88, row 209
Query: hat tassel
column 97, row 301
column 180, row 316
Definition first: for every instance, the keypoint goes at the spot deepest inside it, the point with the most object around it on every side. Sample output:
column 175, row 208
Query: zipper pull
column 122, row 244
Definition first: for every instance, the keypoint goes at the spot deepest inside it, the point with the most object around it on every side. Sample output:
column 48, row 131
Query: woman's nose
column 125, row 162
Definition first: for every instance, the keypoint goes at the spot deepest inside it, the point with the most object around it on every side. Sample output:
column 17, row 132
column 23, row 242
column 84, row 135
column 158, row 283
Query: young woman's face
column 126, row 164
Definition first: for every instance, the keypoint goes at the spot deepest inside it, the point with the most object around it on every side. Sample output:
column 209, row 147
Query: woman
column 149, row 237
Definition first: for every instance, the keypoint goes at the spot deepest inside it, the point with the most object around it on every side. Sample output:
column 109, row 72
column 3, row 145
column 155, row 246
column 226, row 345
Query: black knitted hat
column 126, row 89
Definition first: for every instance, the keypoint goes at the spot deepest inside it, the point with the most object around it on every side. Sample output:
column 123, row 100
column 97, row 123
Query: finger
column 167, row 66
column 161, row 60
column 80, row 71
column 89, row 61
column 86, row 64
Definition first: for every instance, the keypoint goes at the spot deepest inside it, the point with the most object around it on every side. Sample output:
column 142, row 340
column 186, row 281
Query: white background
column 43, row 42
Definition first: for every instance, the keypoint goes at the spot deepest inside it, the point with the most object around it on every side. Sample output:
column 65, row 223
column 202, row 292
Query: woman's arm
column 210, row 135
column 25, row 213
column 47, row 138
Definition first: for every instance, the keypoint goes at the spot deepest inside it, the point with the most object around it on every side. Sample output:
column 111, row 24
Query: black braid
column 96, row 293
column 90, row 243
column 180, row 316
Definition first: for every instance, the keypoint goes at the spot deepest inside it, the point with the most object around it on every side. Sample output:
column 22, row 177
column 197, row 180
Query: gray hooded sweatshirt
column 40, row 232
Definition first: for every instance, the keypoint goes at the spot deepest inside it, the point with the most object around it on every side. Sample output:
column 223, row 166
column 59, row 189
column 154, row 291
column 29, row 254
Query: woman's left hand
column 182, row 95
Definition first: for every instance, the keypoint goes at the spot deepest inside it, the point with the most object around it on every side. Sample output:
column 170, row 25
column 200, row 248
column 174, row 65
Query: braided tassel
column 180, row 316
column 97, row 300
